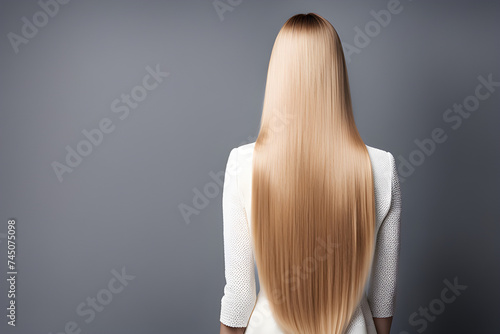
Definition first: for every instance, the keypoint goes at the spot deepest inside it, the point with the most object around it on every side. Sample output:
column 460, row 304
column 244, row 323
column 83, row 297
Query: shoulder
column 378, row 155
column 242, row 154
column 245, row 149
column 383, row 162
column 383, row 167
column 239, row 162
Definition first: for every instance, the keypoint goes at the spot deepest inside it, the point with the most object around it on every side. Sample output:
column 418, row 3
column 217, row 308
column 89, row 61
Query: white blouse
column 240, row 305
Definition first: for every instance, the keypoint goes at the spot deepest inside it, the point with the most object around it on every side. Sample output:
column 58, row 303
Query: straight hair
column 313, row 203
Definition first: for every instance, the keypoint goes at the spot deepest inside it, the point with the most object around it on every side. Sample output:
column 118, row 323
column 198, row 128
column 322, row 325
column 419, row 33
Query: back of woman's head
column 313, row 206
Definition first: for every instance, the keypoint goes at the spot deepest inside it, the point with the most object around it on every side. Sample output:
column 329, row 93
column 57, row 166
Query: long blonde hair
column 313, row 205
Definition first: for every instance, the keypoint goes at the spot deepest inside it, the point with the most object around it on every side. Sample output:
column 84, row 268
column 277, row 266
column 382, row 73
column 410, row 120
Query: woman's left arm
column 240, row 295
column 231, row 330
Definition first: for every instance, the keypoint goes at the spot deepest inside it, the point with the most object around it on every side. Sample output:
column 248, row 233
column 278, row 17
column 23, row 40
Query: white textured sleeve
column 239, row 292
column 382, row 289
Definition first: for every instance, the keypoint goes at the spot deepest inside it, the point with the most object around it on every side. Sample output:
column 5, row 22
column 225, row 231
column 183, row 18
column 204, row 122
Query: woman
column 316, row 208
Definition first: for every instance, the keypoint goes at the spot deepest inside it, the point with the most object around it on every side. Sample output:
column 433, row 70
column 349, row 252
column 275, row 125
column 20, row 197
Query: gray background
column 120, row 207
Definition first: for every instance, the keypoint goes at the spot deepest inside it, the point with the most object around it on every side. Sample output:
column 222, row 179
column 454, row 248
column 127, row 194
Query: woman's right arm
column 383, row 325
column 382, row 290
